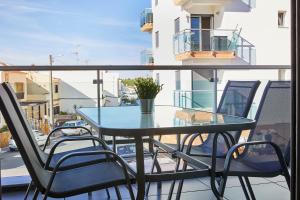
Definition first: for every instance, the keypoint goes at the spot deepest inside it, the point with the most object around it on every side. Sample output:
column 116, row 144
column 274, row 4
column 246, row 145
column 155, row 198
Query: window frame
column 284, row 14
column 157, row 39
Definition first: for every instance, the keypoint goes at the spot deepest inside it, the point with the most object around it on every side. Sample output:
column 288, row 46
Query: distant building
column 79, row 89
column 32, row 90
column 214, row 32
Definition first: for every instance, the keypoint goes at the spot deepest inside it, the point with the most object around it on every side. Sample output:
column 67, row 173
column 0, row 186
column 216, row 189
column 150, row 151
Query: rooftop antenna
column 76, row 52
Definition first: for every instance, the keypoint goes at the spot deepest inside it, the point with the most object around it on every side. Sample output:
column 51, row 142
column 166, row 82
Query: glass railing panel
column 146, row 17
column 147, row 57
column 32, row 89
column 205, row 40
column 74, row 89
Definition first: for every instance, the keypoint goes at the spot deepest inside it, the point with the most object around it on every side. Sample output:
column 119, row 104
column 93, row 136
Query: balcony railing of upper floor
column 212, row 44
column 147, row 57
column 205, row 43
column 146, row 22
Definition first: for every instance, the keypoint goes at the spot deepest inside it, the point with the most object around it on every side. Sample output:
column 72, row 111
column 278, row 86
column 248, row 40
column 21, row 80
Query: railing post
column 215, row 79
column 250, row 56
column 99, row 101
column 242, row 50
column 98, row 89
column 51, row 93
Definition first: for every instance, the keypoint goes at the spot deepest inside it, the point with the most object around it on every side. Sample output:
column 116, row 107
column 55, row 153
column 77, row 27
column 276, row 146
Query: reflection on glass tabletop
column 163, row 119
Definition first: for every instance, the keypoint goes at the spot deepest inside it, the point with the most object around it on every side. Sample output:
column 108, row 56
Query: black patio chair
column 109, row 171
column 267, row 150
column 49, row 160
column 236, row 100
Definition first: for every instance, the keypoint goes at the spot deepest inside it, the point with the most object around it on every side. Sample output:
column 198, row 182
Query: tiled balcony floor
column 264, row 188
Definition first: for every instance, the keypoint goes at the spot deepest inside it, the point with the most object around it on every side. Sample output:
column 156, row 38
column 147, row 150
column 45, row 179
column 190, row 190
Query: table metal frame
column 139, row 134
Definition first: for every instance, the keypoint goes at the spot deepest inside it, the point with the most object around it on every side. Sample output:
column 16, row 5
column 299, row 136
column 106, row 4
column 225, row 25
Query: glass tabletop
column 167, row 119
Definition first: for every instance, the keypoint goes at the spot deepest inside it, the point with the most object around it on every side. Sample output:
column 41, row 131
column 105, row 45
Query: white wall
column 77, row 88
column 164, row 15
column 259, row 26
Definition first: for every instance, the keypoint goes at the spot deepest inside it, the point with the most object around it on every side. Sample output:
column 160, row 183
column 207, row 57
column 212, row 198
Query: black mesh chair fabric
column 28, row 153
column 66, row 183
column 236, row 100
column 42, row 156
column 273, row 125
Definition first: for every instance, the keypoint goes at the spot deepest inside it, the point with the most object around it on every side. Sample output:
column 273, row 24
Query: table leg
column 140, row 176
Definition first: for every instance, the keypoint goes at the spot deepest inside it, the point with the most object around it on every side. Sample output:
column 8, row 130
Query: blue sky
column 101, row 31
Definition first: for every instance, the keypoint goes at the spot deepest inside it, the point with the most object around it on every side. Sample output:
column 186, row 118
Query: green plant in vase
column 146, row 89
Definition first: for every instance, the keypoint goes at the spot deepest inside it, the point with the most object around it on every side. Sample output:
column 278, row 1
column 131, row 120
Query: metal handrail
column 203, row 29
column 136, row 67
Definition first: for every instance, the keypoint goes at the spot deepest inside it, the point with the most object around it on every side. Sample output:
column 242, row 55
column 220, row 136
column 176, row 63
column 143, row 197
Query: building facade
column 215, row 32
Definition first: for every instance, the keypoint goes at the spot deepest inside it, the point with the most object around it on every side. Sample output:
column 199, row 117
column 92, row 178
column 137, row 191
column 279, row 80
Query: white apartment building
column 79, row 89
column 220, row 32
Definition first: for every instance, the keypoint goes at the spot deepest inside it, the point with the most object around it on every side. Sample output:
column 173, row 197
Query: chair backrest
column 236, row 100
column 273, row 124
column 30, row 158
column 17, row 107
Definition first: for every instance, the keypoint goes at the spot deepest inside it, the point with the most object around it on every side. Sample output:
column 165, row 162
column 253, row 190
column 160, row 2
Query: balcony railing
column 146, row 20
column 205, row 43
column 82, row 91
column 194, row 99
column 209, row 43
column 147, row 57
column 188, row 5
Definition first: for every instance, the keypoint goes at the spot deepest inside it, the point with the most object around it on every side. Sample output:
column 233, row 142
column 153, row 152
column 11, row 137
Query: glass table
column 128, row 121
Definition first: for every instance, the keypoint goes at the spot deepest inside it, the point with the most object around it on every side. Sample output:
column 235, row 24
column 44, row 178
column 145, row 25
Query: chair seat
column 87, row 179
column 76, row 161
column 199, row 149
column 241, row 166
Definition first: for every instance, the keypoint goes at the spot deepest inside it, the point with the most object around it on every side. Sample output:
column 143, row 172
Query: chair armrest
column 194, row 136
column 73, row 139
column 89, row 153
column 234, row 148
column 61, row 128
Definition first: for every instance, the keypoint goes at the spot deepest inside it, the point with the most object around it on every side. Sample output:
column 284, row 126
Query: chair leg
column 154, row 163
column 118, row 193
column 250, row 188
column 181, row 182
column 244, row 187
column 287, row 176
column 129, row 187
column 222, row 185
column 107, row 193
column 28, row 190
column 174, row 181
column 90, row 196
column 36, row 194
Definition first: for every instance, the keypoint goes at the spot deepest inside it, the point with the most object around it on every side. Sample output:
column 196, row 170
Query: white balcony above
column 189, row 5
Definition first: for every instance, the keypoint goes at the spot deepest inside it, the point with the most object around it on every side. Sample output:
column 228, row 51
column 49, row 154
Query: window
column 177, row 80
column 19, row 87
column 56, row 110
column 177, row 25
column 157, row 79
column 157, row 39
column 281, row 18
column 156, row 2
column 56, row 88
